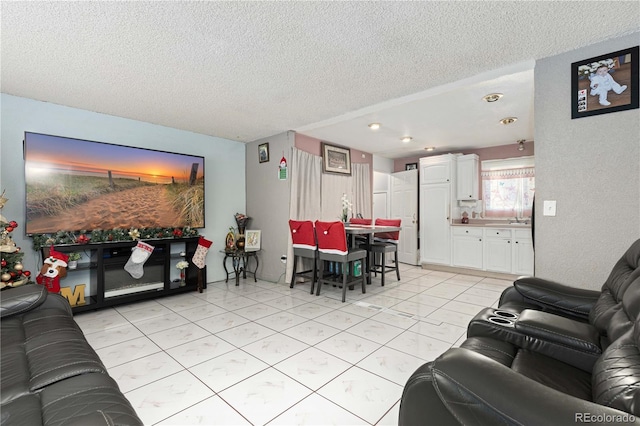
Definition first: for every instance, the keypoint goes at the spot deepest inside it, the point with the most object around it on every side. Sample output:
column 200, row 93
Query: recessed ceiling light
column 374, row 126
column 508, row 120
column 492, row 97
column 430, row 148
column 406, row 139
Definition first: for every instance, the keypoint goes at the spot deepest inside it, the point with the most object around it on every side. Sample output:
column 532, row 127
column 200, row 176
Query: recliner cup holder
column 501, row 321
column 506, row 314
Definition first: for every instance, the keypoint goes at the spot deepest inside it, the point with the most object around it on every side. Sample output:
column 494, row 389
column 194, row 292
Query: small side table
column 239, row 260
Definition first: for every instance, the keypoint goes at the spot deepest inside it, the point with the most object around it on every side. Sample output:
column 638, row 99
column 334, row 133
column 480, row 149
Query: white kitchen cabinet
column 437, row 169
column 497, row 250
column 435, row 218
column 467, row 177
column 467, row 247
column 522, row 252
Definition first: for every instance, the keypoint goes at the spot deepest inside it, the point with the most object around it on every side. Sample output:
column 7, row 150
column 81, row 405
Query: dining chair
column 383, row 243
column 332, row 247
column 304, row 247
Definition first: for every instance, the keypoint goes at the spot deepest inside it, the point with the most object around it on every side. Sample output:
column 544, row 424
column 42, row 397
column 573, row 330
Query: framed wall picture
column 252, row 240
column 411, row 166
column 263, row 152
column 606, row 83
column 336, row 159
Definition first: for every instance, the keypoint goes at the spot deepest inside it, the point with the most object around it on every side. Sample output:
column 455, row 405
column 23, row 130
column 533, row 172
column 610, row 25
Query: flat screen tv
column 79, row 185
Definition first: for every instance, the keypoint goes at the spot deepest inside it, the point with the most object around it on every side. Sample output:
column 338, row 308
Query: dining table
column 367, row 231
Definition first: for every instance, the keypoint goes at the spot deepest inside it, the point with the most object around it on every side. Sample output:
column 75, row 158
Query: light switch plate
column 549, row 208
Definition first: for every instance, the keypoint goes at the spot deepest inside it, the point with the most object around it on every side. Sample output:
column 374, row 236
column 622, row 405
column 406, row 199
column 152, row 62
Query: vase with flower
column 346, row 208
column 242, row 221
column 182, row 265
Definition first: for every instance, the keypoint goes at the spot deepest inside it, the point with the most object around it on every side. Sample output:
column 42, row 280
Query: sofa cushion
column 85, row 395
column 56, row 348
column 24, row 410
column 21, row 299
column 553, row 373
column 616, row 375
column 497, row 350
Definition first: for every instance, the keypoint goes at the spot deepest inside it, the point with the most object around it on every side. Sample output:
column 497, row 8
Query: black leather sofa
column 533, row 361
column 49, row 375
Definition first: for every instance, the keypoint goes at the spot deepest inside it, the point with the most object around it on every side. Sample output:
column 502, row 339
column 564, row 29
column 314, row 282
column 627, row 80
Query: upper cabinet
column 437, row 169
column 467, row 177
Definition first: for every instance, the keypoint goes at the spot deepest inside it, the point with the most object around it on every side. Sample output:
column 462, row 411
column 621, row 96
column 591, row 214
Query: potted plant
column 73, row 260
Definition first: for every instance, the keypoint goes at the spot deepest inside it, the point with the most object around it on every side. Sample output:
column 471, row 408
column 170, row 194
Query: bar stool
column 385, row 242
column 304, row 246
column 362, row 241
column 332, row 247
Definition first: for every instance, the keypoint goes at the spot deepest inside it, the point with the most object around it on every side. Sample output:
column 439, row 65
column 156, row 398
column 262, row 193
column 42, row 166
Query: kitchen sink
column 509, row 225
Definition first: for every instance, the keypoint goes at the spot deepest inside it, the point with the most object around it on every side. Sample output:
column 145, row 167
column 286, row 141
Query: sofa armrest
column 21, row 299
column 479, row 390
column 556, row 297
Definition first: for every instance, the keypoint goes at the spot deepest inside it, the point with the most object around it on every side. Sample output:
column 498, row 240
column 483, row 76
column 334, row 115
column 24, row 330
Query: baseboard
column 468, row 271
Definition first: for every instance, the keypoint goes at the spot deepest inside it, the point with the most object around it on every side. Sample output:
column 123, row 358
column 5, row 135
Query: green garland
column 109, row 235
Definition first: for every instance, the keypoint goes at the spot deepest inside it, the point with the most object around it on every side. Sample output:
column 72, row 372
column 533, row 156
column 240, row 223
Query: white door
column 435, row 215
column 404, row 205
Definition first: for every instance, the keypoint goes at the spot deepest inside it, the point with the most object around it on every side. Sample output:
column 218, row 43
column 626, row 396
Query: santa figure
column 54, row 268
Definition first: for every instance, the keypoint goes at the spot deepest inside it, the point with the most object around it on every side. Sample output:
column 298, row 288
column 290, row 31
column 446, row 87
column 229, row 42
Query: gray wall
column 268, row 202
column 590, row 166
column 224, row 163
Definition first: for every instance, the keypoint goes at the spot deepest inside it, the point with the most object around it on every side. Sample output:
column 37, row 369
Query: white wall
column 383, row 165
column 590, row 166
column 224, row 163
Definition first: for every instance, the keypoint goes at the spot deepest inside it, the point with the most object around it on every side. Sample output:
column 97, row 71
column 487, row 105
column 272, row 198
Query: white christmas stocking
column 201, row 252
column 140, row 253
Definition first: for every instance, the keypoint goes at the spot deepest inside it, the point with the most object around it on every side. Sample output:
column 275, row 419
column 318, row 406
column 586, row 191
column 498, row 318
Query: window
column 508, row 187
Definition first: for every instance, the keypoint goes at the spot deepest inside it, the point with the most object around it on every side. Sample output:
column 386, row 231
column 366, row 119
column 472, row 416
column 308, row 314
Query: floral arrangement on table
column 182, row 265
column 109, row 235
column 346, row 208
column 587, row 69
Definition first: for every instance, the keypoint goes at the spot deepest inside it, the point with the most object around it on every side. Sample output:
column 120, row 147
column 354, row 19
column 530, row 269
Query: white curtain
column 305, row 201
column 318, row 196
column 356, row 187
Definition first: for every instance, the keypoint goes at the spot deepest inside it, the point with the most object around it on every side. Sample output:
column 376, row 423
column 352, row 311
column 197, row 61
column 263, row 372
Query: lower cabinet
column 492, row 249
column 497, row 250
column 467, row 247
column 522, row 252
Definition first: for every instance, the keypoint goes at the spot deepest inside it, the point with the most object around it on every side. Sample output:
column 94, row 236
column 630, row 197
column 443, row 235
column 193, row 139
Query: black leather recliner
column 540, row 359
column 581, row 304
column 536, row 374
column 50, row 374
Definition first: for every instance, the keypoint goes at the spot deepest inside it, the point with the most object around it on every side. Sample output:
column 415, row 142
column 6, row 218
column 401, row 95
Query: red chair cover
column 391, row 237
column 356, row 221
column 331, row 237
column 302, row 234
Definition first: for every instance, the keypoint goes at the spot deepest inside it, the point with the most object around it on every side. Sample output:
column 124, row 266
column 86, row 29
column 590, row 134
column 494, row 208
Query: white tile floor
column 262, row 353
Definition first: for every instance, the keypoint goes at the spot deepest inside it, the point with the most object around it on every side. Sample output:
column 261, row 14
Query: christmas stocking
column 139, row 255
column 201, row 252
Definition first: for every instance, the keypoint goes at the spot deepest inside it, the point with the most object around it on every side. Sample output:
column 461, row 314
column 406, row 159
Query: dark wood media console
column 100, row 279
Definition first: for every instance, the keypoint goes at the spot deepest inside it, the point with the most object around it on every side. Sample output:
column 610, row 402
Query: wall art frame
column 336, row 159
column 263, row 152
column 411, row 166
column 252, row 239
column 614, row 88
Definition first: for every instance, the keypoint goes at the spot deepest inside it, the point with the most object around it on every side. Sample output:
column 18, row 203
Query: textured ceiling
column 247, row 70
